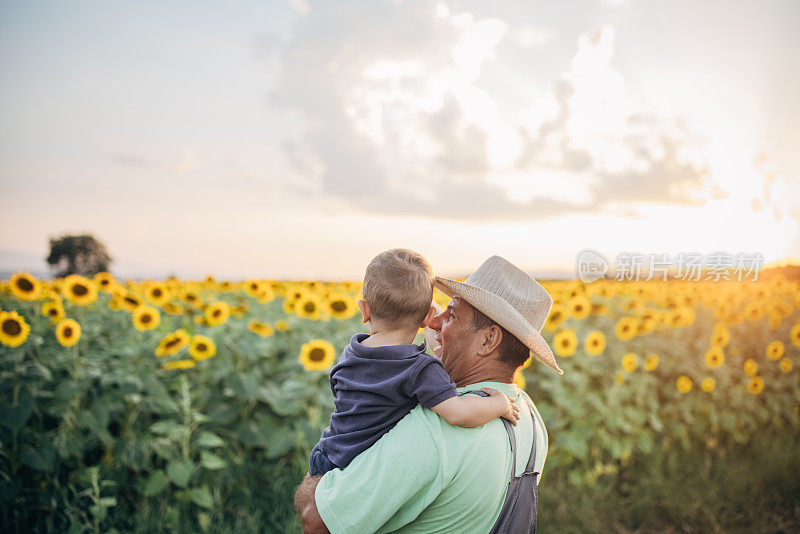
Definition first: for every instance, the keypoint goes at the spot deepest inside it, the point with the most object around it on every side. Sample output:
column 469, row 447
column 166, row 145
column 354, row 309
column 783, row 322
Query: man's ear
column 427, row 320
column 492, row 337
column 366, row 315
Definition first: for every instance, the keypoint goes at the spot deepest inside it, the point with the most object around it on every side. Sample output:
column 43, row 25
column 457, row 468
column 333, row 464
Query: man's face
column 458, row 341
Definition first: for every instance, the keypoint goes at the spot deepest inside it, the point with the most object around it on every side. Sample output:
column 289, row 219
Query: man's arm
column 306, row 506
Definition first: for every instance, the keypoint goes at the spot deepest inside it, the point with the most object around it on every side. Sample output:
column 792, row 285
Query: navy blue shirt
column 375, row 387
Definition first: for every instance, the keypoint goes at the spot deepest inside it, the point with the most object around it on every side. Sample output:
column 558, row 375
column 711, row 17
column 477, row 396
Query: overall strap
column 532, row 460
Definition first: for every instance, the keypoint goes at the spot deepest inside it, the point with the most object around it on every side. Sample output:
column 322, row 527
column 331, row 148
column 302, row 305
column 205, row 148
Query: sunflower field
column 170, row 405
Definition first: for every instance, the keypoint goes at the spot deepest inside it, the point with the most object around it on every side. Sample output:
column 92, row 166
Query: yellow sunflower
column 579, row 307
column 750, row 367
column 193, row 299
column 13, row 329
column 263, row 330
column 146, row 317
column 289, row 305
column 341, row 306
column 565, row 342
column 68, row 332
column 595, row 343
column 217, row 313
column 202, row 348
column 281, row 325
column 178, row 364
column 53, row 309
column 794, row 335
column 557, row 316
column 310, row 307
column 104, row 281
column 651, row 362
column 786, row 365
column 79, row 290
column 756, row 385
column 626, row 328
column 25, row 286
column 775, row 350
column 715, row 357
column 316, row 355
column 684, row 384
column 173, row 309
column 157, row 293
column 600, row 309
column 720, row 336
column 708, row 384
column 266, row 294
column 253, row 287
column 172, row 343
column 629, row 362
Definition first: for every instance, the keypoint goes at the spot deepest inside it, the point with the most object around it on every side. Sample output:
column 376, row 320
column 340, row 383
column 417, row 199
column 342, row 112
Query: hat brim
column 504, row 314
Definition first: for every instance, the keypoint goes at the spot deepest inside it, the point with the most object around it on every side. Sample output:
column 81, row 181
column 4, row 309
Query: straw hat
column 511, row 298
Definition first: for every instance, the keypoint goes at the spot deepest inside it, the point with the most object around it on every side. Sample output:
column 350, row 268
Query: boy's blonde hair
column 398, row 286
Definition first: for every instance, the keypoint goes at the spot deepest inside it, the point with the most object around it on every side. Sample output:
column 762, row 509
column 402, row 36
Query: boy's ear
column 366, row 315
column 427, row 320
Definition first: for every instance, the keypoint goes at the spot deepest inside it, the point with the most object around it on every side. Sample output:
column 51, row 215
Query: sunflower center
column 146, row 318
column 67, row 332
column 25, row 285
column 131, row 300
column 11, row 327
column 316, row 355
column 104, row 282
column 52, row 311
column 171, row 343
column 201, row 347
column 216, row 313
column 157, row 293
column 565, row 343
column 309, row 307
column 79, row 290
column 338, row 306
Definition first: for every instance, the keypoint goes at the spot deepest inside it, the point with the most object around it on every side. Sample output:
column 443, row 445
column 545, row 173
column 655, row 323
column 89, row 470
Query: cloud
column 627, row 155
column 185, row 162
column 396, row 119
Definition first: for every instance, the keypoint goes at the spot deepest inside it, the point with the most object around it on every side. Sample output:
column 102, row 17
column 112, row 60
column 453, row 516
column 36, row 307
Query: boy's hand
column 512, row 410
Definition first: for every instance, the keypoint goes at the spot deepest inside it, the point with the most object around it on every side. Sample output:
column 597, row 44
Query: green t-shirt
column 425, row 475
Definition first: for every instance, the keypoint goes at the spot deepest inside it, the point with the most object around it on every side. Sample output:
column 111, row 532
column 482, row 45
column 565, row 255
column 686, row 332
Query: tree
column 77, row 254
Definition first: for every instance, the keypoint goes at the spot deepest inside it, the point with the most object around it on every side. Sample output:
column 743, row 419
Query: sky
column 298, row 139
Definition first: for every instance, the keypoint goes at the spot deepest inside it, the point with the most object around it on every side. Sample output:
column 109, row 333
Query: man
column 427, row 476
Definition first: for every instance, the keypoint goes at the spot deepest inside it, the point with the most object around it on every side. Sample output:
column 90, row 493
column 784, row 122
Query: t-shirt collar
column 388, row 352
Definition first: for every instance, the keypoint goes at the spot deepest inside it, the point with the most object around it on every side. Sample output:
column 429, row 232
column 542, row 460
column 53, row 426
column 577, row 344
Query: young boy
column 380, row 377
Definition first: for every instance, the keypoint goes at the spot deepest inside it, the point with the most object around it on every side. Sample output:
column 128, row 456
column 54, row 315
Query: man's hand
column 512, row 410
column 306, row 506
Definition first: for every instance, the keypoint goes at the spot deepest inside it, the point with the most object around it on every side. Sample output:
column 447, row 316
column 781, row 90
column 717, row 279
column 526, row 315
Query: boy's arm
column 472, row 411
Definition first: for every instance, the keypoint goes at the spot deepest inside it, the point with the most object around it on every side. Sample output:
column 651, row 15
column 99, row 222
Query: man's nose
column 436, row 322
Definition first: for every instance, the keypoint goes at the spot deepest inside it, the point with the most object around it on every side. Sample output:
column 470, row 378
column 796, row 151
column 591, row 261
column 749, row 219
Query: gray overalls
column 519, row 510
